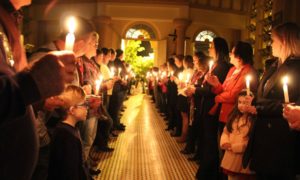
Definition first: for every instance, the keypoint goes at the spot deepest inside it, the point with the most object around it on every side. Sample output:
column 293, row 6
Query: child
column 66, row 161
column 234, row 140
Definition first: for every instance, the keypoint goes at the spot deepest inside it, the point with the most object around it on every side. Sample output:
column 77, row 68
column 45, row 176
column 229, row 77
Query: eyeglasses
column 82, row 105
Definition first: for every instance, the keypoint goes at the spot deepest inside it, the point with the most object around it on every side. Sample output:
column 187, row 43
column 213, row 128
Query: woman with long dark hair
column 209, row 156
column 275, row 148
column 241, row 57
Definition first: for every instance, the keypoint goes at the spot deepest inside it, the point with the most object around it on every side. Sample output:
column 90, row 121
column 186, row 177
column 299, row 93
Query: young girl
column 234, row 140
column 66, row 161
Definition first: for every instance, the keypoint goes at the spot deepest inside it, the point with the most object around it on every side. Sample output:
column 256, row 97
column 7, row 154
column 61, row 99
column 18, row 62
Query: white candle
column 248, row 79
column 172, row 73
column 188, row 78
column 112, row 72
column 98, row 84
column 180, row 77
column 126, row 77
column 70, row 38
column 285, row 80
column 211, row 63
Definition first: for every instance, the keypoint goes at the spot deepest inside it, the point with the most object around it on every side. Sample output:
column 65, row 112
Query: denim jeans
column 88, row 134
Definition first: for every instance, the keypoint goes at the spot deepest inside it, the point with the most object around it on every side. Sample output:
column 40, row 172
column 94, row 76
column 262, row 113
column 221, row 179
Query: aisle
column 145, row 150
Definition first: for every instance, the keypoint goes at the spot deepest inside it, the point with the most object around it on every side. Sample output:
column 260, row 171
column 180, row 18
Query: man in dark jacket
column 21, row 86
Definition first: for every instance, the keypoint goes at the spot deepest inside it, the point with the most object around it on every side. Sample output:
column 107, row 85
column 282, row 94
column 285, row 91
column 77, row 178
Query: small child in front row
column 234, row 140
column 66, row 161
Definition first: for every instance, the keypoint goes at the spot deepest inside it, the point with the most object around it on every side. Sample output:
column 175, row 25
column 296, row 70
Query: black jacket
column 66, row 154
column 275, row 146
column 204, row 91
column 18, row 138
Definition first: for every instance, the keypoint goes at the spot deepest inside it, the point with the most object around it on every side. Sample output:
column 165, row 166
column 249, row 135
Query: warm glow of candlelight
column 180, row 77
column 248, row 79
column 211, row 63
column 98, row 84
column 112, row 72
column 188, row 78
column 285, row 81
column 70, row 38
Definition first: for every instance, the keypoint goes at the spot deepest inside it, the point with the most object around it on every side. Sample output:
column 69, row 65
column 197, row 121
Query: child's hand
column 226, row 146
column 248, row 100
column 250, row 109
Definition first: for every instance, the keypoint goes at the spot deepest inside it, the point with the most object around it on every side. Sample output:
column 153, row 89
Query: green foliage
column 139, row 64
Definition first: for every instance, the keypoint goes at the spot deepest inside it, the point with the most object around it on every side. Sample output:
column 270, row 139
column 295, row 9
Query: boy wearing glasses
column 66, row 161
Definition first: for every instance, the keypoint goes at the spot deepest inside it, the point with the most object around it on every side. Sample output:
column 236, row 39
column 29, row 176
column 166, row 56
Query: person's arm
column 241, row 143
column 224, row 137
column 16, row 93
column 224, row 140
column 43, row 79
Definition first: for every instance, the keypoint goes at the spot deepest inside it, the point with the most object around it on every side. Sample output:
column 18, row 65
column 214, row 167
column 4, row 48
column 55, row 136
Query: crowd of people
column 57, row 106
column 234, row 128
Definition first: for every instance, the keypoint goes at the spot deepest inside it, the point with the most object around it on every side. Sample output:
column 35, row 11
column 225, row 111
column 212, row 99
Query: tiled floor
column 145, row 150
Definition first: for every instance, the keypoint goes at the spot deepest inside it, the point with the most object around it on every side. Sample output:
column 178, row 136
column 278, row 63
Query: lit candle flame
column 112, row 71
column 70, row 38
column 285, row 81
column 180, row 77
column 98, row 84
column 248, row 79
column 188, row 78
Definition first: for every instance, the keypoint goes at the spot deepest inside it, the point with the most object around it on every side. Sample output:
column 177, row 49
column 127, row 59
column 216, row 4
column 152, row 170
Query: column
column 102, row 24
column 180, row 26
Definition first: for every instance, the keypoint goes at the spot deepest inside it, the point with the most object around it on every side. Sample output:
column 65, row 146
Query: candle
column 188, row 78
column 285, row 80
column 70, row 38
column 211, row 63
column 172, row 73
column 126, row 77
column 98, row 84
column 112, row 72
column 180, row 77
column 248, row 78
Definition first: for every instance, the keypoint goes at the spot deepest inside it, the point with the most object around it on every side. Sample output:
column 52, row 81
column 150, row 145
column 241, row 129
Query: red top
column 227, row 92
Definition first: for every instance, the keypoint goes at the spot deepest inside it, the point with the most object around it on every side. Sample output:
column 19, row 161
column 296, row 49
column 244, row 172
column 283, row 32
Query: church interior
column 197, row 89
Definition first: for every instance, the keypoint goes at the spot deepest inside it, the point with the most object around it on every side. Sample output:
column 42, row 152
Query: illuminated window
column 205, row 35
column 140, row 31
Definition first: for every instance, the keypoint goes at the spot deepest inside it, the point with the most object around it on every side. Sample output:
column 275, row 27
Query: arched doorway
column 203, row 39
column 140, row 47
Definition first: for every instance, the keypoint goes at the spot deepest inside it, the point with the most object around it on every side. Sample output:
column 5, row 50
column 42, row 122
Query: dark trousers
column 41, row 169
column 209, row 159
column 103, row 131
column 193, row 135
column 115, row 103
